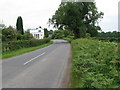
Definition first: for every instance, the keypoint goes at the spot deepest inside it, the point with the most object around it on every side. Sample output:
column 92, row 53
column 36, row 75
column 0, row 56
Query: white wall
column 37, row 33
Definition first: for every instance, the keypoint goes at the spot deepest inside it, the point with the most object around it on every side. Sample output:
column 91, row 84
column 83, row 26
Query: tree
column 2, row 26
column 27, row 35
column 50, row 33
column 66, row 33
column 46, row 32
column 108, row 34
column 58, row 34
column 79, row 17
column 8, row 34
column 19, row 36
column 19, row 25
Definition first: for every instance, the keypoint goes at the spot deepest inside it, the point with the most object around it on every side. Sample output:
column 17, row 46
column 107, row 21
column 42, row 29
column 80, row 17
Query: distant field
column 95, row 64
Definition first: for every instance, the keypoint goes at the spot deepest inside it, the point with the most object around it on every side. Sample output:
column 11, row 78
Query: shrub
column 8, row 34
column 95, row 64
column 58, row 34
column 69, row 38
column 87, row 35
column 15, row 45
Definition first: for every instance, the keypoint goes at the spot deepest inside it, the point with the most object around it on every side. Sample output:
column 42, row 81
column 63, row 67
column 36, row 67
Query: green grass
column 23, row 50
column 95, row 64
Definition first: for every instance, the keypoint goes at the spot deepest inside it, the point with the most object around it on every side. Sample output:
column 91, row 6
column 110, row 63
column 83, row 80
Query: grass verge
column 23, row 50
column 95, row 64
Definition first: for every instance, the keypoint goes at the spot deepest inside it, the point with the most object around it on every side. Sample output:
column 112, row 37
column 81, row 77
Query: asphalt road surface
column 43, row 68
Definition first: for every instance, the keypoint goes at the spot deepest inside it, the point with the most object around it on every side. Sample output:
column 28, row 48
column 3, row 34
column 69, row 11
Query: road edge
column 65, row 82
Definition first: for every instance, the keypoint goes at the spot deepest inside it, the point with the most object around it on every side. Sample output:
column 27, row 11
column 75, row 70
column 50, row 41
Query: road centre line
column 33, row 58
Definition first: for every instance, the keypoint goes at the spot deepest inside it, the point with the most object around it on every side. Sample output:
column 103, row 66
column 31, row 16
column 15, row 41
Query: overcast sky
column 37, row 12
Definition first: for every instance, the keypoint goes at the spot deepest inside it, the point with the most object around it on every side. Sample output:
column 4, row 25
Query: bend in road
column 42, row 68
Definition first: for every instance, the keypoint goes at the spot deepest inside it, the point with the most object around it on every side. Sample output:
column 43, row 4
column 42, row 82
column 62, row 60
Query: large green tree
column 19, row 25
column 8, row 34
column 79, row 17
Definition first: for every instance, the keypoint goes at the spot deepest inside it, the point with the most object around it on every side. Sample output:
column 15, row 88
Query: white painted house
column 37, row 33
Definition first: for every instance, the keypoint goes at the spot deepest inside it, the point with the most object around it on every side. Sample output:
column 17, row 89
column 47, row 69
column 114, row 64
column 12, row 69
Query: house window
column 38, row 36
column 39, row 31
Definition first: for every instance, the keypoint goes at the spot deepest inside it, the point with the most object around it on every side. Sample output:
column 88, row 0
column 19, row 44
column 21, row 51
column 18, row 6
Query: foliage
column 15, row 45
column 58, row 34
column 69, row 38
column 23, row 50
column 2, row 26
column 19, row 25
column 50, row 33
column 109, row 34
column 80, row 18
column 0, row 37
column 87, row 35
column 8, row 34
column 108, row 39
column 19, row 36
column 46, row 32
column 66, row 33
column 95, row 64
column 27, row 36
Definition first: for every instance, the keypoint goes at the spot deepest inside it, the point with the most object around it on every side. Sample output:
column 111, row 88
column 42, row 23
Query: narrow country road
column 43, row 68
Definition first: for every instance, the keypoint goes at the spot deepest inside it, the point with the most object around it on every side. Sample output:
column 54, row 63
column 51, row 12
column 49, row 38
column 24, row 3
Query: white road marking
column 34, row 58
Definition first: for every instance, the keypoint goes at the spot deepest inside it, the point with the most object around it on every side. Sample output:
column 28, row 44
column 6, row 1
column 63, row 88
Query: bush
column 8, row 34
column 95, row 64
column 58, row 34
column 15, row 45
column 69, row 38
column 88, row 35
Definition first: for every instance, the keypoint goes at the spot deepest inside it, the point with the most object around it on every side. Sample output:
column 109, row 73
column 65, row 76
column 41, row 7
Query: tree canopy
column 109, row 34
column 79, row 17
column 46, row 32
column 8, row 34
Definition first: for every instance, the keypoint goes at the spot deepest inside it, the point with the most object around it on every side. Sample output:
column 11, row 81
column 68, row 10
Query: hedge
column 15, row 45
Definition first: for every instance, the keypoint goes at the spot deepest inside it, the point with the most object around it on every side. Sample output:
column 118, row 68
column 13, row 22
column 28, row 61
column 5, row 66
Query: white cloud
column 110, row 9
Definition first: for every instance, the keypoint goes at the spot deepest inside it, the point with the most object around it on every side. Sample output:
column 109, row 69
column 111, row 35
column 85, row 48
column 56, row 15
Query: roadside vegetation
column 19, row 44
column 23, row 50
column 16, row 41
column 95, row 61
column 95, row 64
